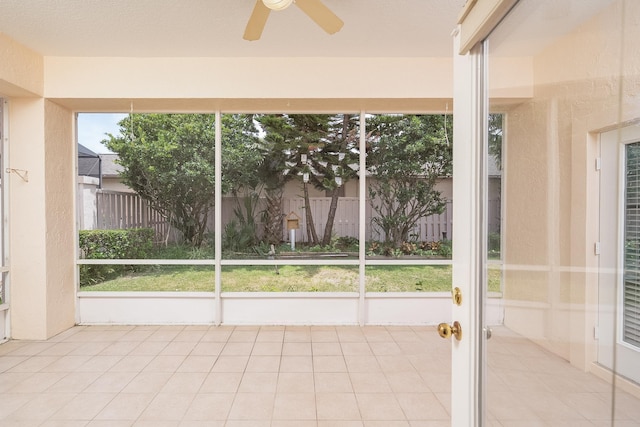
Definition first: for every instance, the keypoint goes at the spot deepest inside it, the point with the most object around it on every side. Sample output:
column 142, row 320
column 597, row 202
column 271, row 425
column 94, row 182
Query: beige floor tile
column 385, row 348
column 137, row 335
column 216, row 335
column 340, row 423
column 297, row 334
column 189, row 335
column 421, row 406
column 110, row 423
column 207, row 349
column 126, row 406
column 64, row 423
column 244, row 423
column 245, row 336
column 163, row 334
column 10, row 402
column 326, row 349
column 110, row 382
column 84, row 407
column 74, row 382
column 131, row 363
column 230, row 364
column 164, row 363
column 350, row 334
column 41, row 407
column 31, row 348
column 337, row 406
column 37, row 383
column 379, row 406
column 296, row 364
column 333, row 382
column 60, row 349
column 197, row 364
column 168, row 406
column 120, row 348
column 66, row 364
column 199, row 423
column 397, row 363
column 263, row 364
column 321, row 335
column 178, row 348
column 407, row 382
column 258, row 382
column 296, row 349
column 270, row 335
column 184, row 382
column 33, row 364
column 267, row 348
column 210, row 406
column 294, row 423
column 147, row 382
column 149, row 348
column 221, row 382
column 329, row 364
column 356, row 349
column 293, row 382
column 156, row 423
column 99, row 364
column 252, row 406
column 237, row 349
column 90, row 348
column 362, row 364
column 373, row 382
column 295, row 406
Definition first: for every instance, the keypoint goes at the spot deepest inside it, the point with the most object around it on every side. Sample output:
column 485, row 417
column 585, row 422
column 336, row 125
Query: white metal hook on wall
column 24, row 174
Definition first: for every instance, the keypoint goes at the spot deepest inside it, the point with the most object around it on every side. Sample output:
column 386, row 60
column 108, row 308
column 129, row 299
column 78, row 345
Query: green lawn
column 289, row 278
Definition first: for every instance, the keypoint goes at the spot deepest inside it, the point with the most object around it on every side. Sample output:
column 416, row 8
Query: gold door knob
column 445, row 330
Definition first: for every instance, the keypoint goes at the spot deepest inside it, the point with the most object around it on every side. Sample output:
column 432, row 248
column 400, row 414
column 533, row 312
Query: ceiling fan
column 315, row 9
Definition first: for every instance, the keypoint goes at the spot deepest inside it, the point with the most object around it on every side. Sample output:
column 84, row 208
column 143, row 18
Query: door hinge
column 596, row 333
column 596, row 248
column 598, row 163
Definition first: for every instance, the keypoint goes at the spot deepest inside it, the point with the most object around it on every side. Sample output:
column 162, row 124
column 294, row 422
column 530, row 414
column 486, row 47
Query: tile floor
column 284, row 377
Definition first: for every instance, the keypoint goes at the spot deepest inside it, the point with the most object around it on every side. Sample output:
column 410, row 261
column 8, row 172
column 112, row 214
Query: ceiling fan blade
column 257, row 21
column 321, row 14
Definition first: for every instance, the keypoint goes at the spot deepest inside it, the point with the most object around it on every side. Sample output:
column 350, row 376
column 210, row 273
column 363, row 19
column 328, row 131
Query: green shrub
column 132, row 243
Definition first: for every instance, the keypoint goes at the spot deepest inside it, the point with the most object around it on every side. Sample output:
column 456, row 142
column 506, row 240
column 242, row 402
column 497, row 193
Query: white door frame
column 467, row 406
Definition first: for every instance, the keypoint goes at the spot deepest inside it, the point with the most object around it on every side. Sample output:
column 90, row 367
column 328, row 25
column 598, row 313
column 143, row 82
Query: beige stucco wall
column 41, row 236
column 21, row 69
column 551, row 185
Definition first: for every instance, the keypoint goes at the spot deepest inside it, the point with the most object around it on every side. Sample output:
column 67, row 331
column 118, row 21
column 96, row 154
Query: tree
column 317, row 147
column 406, row 155
column 168, row 159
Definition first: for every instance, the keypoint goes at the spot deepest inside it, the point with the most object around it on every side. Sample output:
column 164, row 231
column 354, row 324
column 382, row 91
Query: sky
column 93, row 127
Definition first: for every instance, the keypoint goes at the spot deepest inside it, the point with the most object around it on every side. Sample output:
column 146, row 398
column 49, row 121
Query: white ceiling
column 214, row 28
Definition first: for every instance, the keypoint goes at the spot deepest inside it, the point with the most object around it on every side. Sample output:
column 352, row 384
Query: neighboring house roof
column 110, row 169
column 89, row 164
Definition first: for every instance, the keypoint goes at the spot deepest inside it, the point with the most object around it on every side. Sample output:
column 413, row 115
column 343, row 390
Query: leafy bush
column 133, row 243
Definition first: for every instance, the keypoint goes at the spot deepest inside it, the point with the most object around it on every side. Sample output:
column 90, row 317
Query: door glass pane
column 556, row 303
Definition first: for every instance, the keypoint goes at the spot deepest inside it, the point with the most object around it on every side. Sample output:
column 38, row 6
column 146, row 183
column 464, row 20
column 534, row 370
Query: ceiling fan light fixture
column 277, row 4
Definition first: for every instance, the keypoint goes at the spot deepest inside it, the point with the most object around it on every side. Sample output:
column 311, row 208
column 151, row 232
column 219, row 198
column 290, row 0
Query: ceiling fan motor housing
column 277, row 4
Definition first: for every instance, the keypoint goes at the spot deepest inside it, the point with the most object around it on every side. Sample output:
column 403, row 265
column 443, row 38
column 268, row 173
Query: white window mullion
column 218, row 217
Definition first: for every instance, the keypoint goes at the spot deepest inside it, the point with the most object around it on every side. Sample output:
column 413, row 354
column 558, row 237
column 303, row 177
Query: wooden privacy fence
column 346, row 223
column 128, row 210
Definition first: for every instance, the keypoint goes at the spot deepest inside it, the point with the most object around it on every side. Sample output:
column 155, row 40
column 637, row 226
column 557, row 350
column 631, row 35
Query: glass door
column 558, row 75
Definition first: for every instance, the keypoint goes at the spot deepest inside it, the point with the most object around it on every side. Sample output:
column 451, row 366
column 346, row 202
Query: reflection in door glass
column 554, row 83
